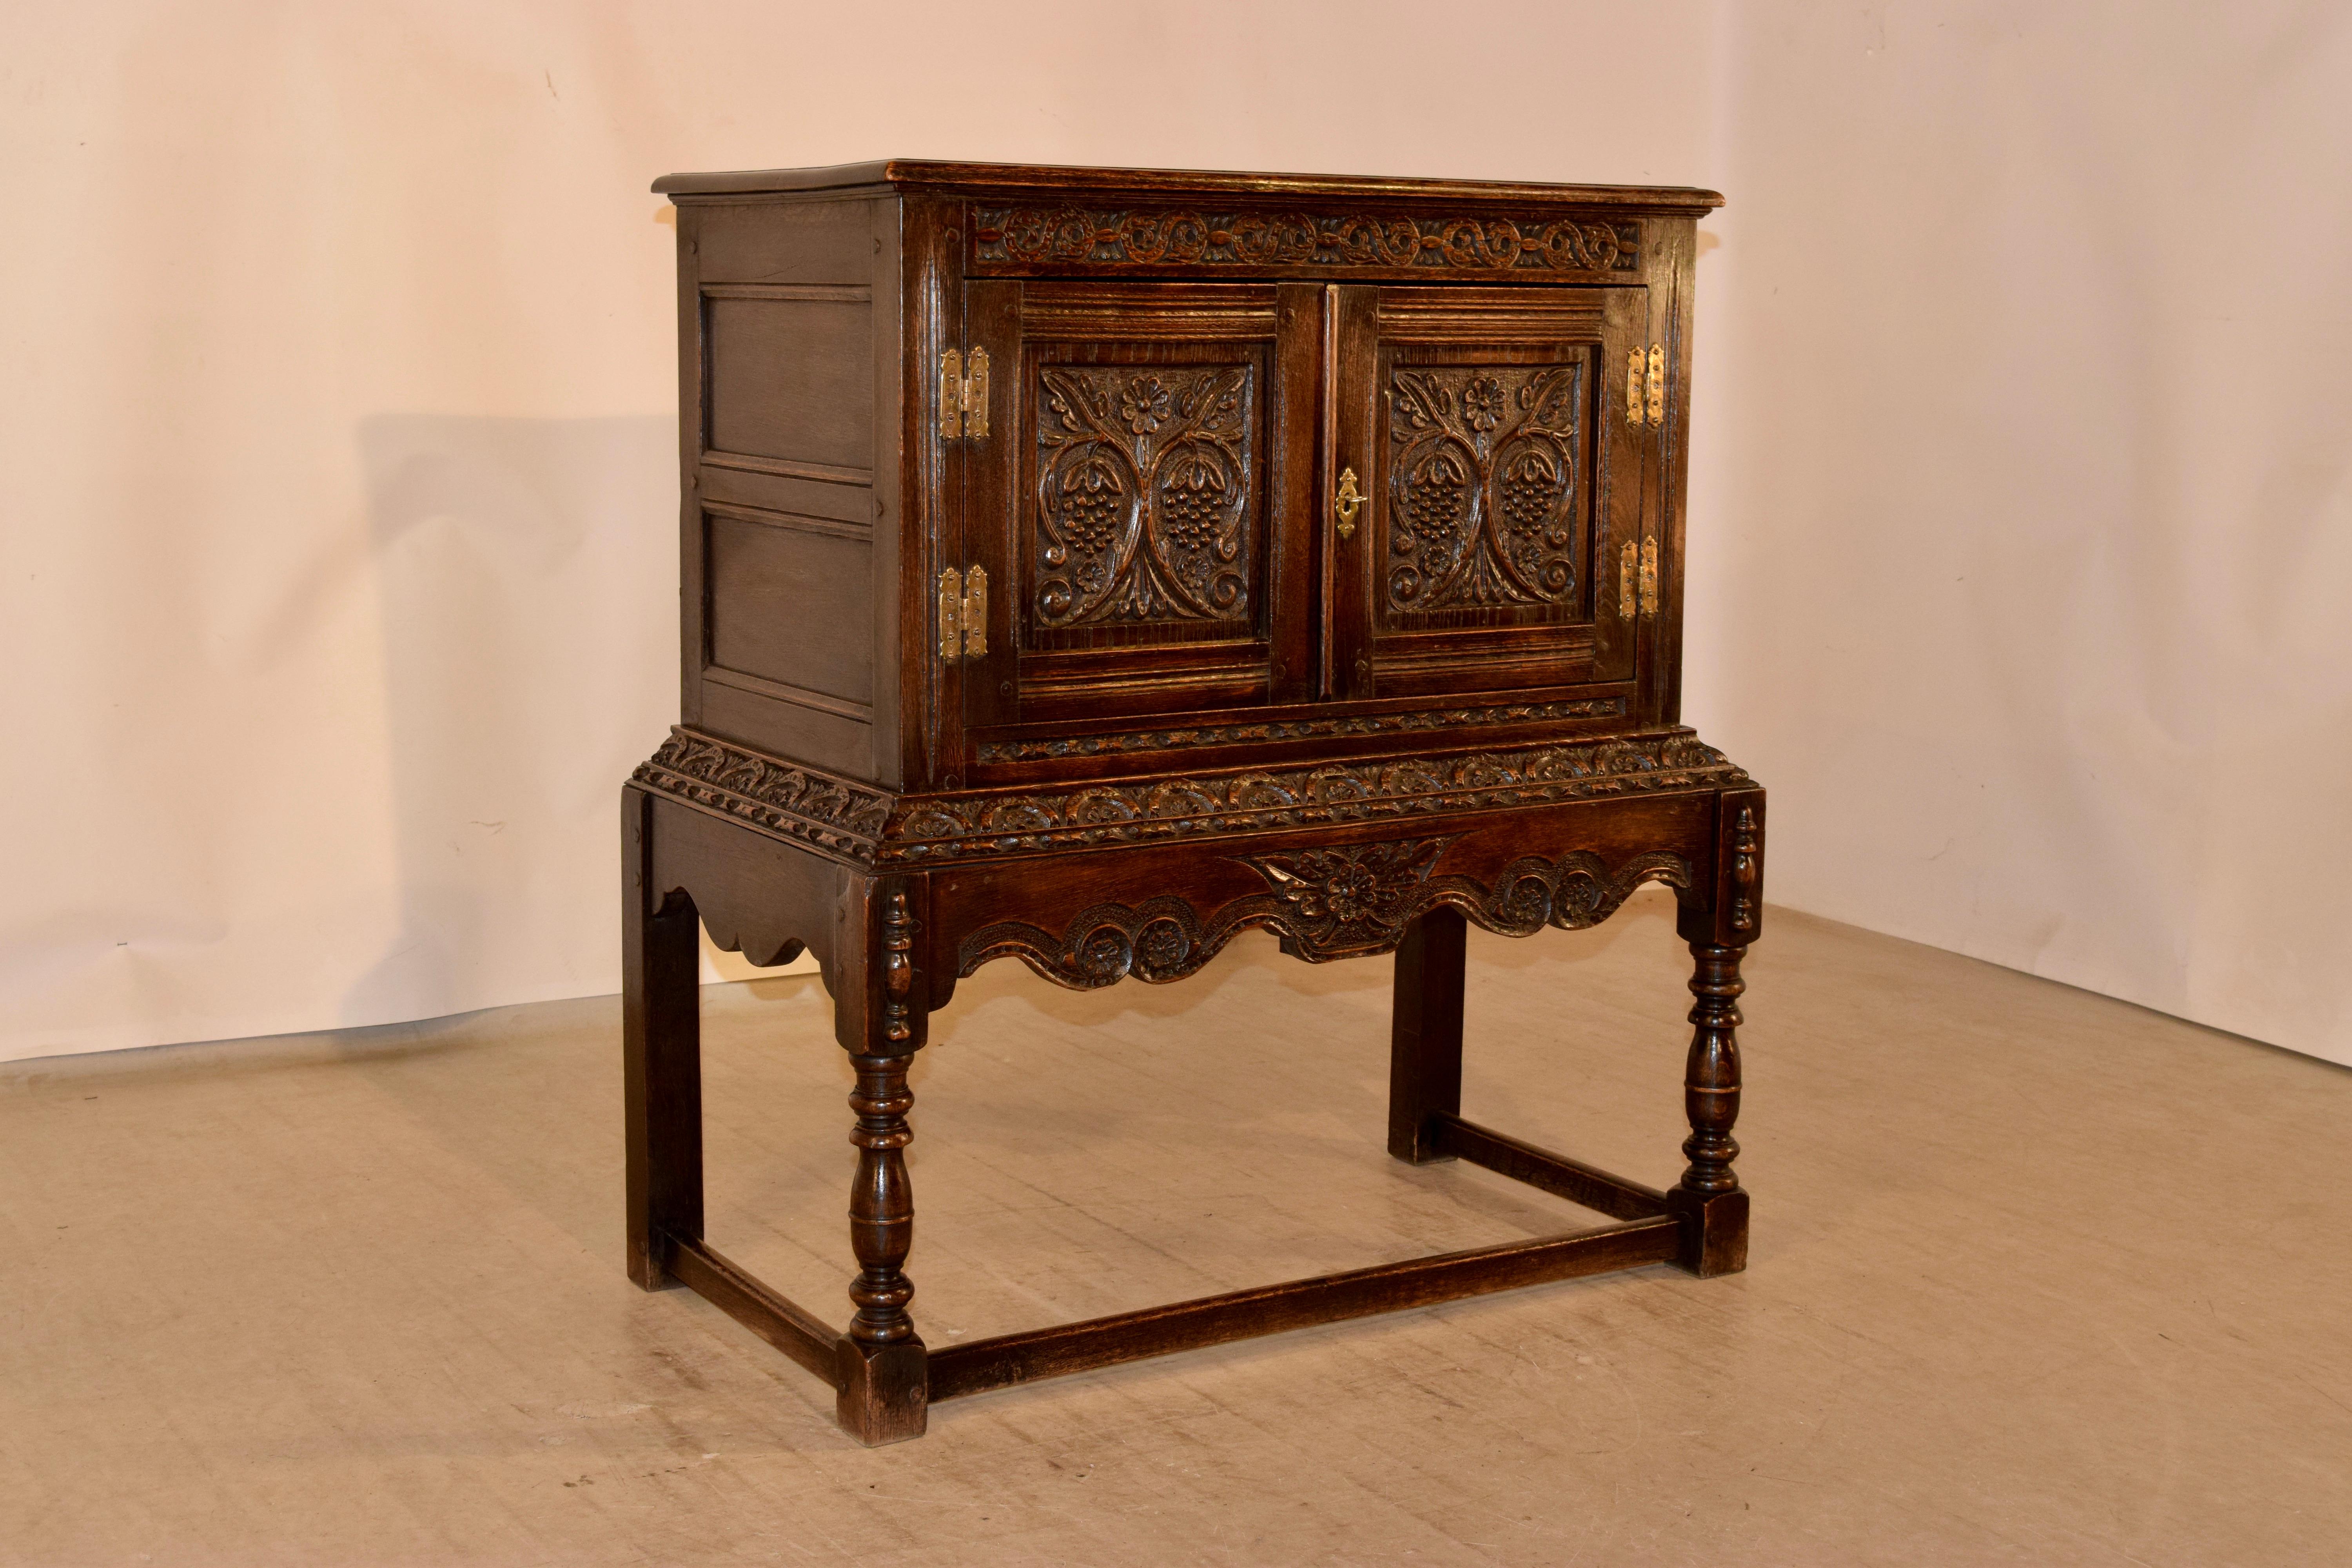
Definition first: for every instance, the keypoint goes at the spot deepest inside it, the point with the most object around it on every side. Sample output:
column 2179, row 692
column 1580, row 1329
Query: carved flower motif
column 1354, row 890
column 1481, row 403
column 1143, row 405
column 1347, row 897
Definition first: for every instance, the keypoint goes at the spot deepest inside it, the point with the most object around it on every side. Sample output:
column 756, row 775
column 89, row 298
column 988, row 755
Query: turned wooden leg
column 1713, row 1208
column 885, row 1378
column 885, row 1384
column 661, row 1053
column 1425, row 1033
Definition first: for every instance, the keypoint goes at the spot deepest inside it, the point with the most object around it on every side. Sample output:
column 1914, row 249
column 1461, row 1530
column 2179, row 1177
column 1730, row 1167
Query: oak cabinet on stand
column 1084, row 566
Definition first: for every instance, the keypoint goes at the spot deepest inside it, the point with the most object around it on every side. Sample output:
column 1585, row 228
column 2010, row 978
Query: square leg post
column 1425, row 1033
column 661, row 1036
column 885, row 1382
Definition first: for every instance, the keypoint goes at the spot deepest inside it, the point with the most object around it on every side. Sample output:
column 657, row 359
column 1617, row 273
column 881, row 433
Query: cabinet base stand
column 890, row 942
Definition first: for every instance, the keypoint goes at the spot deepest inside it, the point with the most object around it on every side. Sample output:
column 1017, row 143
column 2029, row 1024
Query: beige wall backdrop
column 336, row 445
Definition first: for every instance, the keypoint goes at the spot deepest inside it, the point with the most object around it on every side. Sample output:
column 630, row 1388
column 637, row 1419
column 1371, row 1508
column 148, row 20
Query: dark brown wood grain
column 1332, row 536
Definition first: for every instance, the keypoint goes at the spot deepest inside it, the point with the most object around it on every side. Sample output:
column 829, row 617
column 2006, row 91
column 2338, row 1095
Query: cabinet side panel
column 791, row 379
column 788, row 240
column 834, row 742
column 783, row 401
column 756, row 566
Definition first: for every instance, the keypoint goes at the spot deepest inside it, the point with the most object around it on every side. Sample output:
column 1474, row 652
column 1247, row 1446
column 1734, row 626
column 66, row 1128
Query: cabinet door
column 1505, row 473
column 1142, row 503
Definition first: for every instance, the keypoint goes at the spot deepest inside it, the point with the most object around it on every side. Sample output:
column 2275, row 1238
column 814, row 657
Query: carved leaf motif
column 1482, row 487
column 838, row 817
column 1144, row 512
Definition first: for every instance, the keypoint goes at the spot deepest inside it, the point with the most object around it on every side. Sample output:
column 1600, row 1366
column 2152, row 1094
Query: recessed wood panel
column 787, row 242
column 791, row 375
column 792, row 605
column 787, row 730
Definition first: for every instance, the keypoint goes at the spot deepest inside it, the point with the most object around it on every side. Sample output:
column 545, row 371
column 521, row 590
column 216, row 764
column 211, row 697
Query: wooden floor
column 2037, row 1277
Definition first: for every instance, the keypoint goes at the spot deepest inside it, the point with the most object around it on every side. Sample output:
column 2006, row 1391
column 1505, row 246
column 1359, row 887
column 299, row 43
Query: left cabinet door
column 1138, row 501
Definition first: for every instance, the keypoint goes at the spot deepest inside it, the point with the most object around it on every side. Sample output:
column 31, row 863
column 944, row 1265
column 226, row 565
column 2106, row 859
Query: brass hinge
column 963, row 614
column 1646, row 386
column 1640, row 564
column 963, row 394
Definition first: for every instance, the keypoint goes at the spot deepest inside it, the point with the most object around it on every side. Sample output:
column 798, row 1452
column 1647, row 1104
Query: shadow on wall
column 528, row 569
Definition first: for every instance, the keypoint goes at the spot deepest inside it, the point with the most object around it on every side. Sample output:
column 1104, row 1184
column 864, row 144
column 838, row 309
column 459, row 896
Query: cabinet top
column 923, row 174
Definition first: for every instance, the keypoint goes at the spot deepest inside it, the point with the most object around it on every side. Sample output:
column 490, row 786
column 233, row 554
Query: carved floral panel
column 1145, row 509
column 1482, row 486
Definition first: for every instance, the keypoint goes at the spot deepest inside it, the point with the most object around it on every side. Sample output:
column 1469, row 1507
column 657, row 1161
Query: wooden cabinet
column 1222, row 449
column 1083, row 565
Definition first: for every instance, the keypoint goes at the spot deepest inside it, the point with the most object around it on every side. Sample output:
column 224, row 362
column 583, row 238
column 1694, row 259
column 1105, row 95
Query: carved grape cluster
column 1532, row 488
column 1091, row 507
column 1434, row 496
column 1193, row 502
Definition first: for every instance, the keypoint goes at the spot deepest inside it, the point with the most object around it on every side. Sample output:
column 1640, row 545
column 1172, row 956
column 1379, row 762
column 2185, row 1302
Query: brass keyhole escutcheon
column 1345, row 504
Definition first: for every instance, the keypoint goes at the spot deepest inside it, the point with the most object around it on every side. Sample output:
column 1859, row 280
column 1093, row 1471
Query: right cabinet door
column 1501, row 439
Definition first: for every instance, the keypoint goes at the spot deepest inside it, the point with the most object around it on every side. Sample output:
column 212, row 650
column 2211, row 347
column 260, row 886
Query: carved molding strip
column 1294, row 729
column 1342, row 903
column 946, row 827
column 839, row 817
column 1192, row 237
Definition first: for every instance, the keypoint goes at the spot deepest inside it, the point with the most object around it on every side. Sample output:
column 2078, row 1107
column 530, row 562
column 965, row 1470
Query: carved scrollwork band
column 867, row 827
column 1188, row 237
column 829, row 813
column 1340, row 903
column 1168, row 740
column 943, row 828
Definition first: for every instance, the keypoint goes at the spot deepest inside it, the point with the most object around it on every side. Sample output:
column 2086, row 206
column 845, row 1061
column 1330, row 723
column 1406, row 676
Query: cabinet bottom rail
column 1027, row 1357
column 1010, row 1359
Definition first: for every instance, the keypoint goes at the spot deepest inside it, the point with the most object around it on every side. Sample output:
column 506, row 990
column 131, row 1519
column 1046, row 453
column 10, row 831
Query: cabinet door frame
column 1376, row 331
column 1035, row 674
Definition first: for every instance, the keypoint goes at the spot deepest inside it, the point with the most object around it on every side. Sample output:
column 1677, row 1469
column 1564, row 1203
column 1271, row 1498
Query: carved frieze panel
column 1188, row 805
column 1344, row 901
column 833, row 815
column 1146, row 494
column 1179, row 738
column 864, row 826
column 1179, row 236
column 1482, row 486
